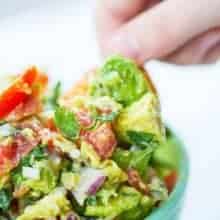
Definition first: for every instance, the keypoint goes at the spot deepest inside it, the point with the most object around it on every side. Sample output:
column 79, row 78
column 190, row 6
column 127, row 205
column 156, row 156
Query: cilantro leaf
column 141, row 139
column 67, row 122
column 5, row 199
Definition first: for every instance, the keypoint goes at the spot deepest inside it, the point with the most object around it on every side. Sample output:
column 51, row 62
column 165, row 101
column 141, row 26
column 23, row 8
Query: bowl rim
column 169, row 207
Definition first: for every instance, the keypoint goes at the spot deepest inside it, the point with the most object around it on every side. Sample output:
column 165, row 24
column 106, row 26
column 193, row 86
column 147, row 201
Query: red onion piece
column 72, row 217
column 96, row 185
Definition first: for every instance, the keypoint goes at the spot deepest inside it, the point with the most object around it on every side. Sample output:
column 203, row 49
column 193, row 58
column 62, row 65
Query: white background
column 59, row 37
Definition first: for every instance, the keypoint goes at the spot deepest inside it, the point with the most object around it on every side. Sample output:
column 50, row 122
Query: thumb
column 161, row 30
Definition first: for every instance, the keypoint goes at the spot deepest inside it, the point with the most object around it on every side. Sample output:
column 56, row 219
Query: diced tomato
column 135, row 180
column 102, row 139
column 21, row 90
column 171, row 180
column 30, row 107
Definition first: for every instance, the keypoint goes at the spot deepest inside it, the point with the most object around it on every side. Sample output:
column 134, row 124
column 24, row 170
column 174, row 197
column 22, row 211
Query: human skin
column 177, row 31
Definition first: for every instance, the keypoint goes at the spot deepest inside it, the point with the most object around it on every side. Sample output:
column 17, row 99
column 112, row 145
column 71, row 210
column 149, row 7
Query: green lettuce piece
column 141, row 139
column 167, row 155
column 139, row 212
column 137, row 159
column 53, row 205
column 67, row 122
column 121, row 79
column 48, row 178
column 142, row 116
column 127, row 199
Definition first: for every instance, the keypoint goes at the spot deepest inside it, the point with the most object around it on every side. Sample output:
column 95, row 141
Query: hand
column 178, row 31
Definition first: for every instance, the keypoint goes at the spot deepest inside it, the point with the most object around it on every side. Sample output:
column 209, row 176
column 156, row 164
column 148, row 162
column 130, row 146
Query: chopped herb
column 91, row 200
column 5, row 199
column 137, row 159
column 36, row 154
column 107, row 118
column 56, row 94
column 67, row 122
column 141, row 139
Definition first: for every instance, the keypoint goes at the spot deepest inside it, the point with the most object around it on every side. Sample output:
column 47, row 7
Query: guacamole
column 103, row 155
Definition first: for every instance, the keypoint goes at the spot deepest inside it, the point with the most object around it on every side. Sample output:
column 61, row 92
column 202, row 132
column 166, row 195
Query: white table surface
column 59, row 37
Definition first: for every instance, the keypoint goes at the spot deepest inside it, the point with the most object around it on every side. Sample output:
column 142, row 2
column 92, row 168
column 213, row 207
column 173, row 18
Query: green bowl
column 170, row 210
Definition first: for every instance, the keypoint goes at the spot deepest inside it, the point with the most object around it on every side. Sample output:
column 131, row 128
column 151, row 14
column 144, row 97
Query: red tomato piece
column 171, row 180
column 20, row 90
column 102, row 139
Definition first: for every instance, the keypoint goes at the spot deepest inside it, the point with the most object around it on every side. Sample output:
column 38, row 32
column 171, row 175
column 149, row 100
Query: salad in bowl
column 97, row 152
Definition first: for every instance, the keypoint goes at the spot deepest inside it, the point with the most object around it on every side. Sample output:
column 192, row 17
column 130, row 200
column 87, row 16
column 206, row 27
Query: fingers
column 124, row 9
column 161, row 30
column 112, row 14
column 202, row 49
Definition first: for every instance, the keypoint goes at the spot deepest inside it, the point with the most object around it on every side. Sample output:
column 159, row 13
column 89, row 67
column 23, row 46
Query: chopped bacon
column 31, row 123
column 20, row 146
column 135, row 180
column 50, row 124
column 84, row 119
column 24, row 144
column 170, row 180
column 102, row 139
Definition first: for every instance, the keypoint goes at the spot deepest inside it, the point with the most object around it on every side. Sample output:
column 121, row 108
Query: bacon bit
column 50, row 146
column 11, row 155
column 102, row 139
column 84, row 119
column 7, row 158
column 24, row 145
column 135, row 180
column 50, row 124
column 170, row 180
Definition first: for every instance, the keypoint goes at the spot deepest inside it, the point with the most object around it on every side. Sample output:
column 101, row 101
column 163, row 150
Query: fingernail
column 124, row 45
